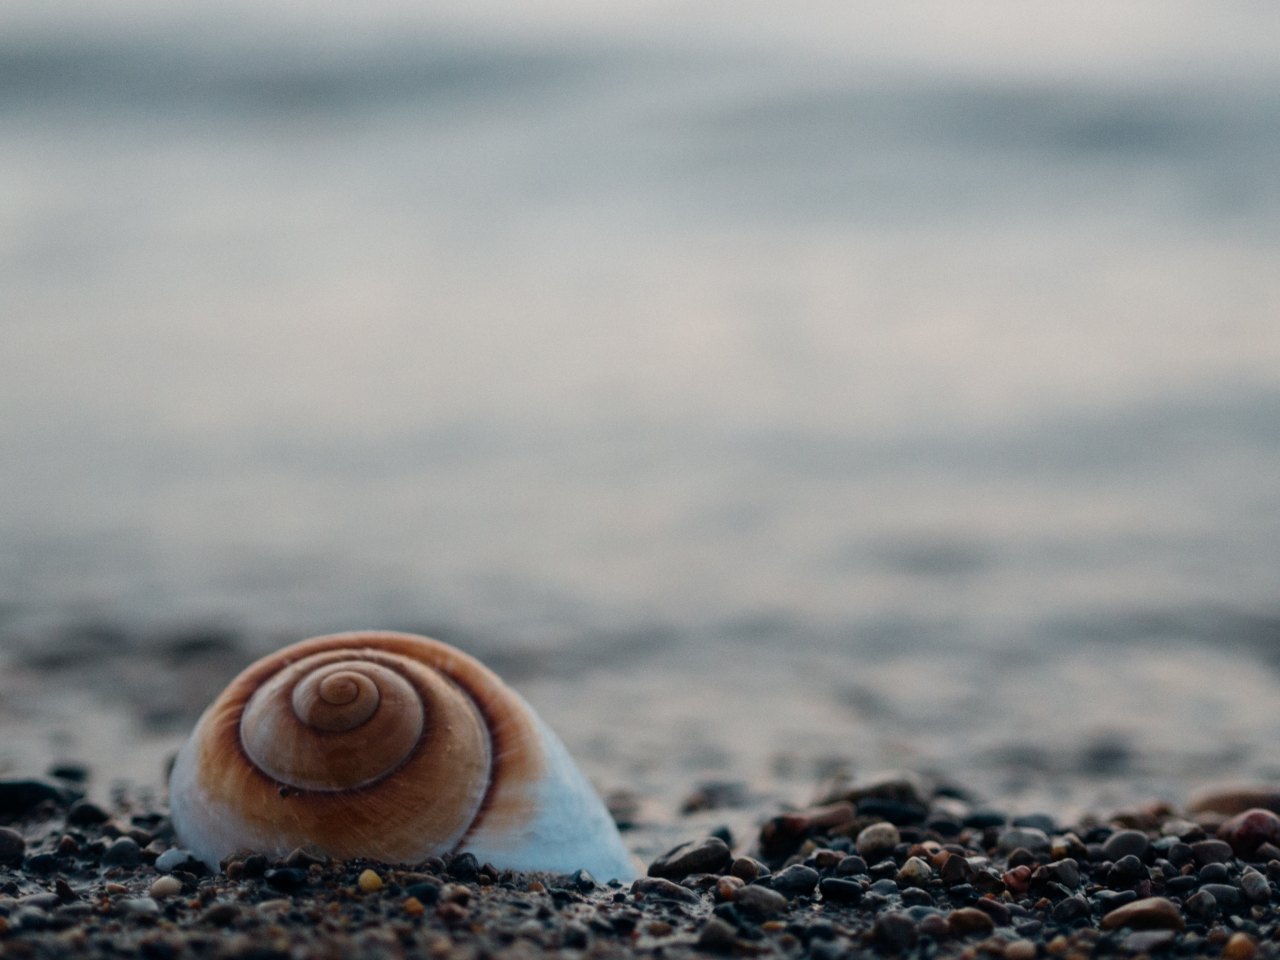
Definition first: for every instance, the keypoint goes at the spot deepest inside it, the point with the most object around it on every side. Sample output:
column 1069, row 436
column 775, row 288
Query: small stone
column 285, row 879
column 1233, row 800
column 164, row 887
column 1211, row 851
column 969, row 920
column 840, row 890
column 20, row 797
column 796, row 880
column 710, row 855
column 760, row 900
column 140, row 907
column 1148, row 941
column 582, row 881
column 659, row 888
column 178, row 859
column 1201, row 906
column 1070, row 909
column 1149, row 914
column 302, row 858
column 464, row 867
column 1028, row 838
column 1126, row 843
column 851, row 866
column 783, row 834
column 894, row 931
column 12, row 846
column 747, row 869
column 727, row 888
column 877, row 841
column 1249, row 830
column 914, row 873
column 123, row 852
column 1020, row 950
column 1254, row 886
column 221, row 914
column 717, row 935
column 369, row 882
column 86, row 813
column 1241, row 946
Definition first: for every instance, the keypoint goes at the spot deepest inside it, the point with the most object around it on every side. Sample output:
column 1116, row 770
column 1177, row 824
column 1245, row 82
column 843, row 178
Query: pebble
column 1211, row 851
column 1028, row 838
column 1126, row 843
column 1247, row 831
column 969, row 920
column 20, row 797
column 163, row 887
column 710, row 855
column 717, row 935
column 796, row 880
column 1148, row 914
column 178, row 859
column 840, row 890
column 1255, row 887
column 877, row 841
column 761, row 900
column 1233, row 800
column 659, row 888
column 86, row 813
column 369, row 882
column 123, row 852
column 140, row 906
column 894, row 931
column 747, row 869
column 12, row 846
column 1241, row 946
column 1201, row 906
column 914, row 873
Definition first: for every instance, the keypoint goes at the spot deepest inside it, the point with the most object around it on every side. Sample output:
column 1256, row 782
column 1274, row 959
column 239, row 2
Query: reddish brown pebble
column 728, row 887
column 1020, row 950
column 1247, row 831
column 1240, row 947
column 1233, row 800
column 413, row 907
column 1153, row 913
column 969, row 920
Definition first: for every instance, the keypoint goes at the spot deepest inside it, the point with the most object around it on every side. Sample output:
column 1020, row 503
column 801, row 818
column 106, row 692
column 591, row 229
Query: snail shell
column 387, row 746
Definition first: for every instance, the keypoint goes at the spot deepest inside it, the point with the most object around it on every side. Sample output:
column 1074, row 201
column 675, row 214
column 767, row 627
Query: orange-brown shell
column 369, row 790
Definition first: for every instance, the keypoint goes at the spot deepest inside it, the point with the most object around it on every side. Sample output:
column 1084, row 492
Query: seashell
column 387, row 746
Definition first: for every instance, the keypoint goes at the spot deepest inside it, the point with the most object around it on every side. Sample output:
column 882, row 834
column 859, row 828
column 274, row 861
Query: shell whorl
column 370, row 744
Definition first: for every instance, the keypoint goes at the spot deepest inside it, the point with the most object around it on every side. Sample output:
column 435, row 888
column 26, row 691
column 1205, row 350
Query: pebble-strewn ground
column 888, row 867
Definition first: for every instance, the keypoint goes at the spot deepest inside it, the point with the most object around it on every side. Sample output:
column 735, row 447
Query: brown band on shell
column 477, row 755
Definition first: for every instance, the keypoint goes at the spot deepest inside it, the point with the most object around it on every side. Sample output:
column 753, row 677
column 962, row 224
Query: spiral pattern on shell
column 379, row 745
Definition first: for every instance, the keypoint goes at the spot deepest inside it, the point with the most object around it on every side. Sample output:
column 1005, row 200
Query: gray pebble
column 760, row 899
column 1255, row 887
column 894, row 931
column 1211, row 851
column 1029, row 838
column 796, row 880
column 1201, row 906
column 840, row 890
column 710, row 855
column 1126, row 843
column 914, row 873
column 175, row 859
column 124, row 852
column 658, row 888
column 717, row 935
column 140, row 907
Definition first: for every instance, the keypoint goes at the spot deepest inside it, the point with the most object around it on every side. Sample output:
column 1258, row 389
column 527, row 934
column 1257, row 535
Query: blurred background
column 887, row 386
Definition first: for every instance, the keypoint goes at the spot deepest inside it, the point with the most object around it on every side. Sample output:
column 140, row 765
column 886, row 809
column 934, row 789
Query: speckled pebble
column 163, row 887
column 877, row 841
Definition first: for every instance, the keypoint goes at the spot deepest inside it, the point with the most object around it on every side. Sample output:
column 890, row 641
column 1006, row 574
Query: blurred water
column 893, row 385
